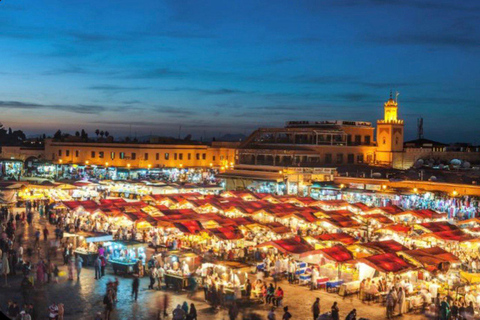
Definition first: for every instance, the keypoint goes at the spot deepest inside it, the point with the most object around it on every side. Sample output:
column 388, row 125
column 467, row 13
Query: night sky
column 217, row 67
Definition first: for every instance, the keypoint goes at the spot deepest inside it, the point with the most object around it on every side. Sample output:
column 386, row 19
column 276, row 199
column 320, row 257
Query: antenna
column 420, row 128
column 396, row 96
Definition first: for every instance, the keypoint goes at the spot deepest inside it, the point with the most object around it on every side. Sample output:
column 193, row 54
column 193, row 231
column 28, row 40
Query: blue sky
column 217, row 67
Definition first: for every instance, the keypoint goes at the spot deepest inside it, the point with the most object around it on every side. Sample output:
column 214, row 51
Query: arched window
column 396, row 140
column 384, row 140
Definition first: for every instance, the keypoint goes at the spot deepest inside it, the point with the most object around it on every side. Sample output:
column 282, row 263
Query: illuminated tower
column 390, row 135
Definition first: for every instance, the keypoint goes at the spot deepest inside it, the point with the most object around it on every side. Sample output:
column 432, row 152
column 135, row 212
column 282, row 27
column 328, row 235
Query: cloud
column 219, row 91
column 110, row 89
column 152, row 73
column 417, row 4
column 432, row 39
column 77, row 108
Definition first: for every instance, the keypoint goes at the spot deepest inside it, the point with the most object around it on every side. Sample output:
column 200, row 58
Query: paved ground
column 83, row 299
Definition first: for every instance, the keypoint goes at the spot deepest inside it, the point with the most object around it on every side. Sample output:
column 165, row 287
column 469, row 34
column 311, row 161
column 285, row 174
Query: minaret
column 389, row 135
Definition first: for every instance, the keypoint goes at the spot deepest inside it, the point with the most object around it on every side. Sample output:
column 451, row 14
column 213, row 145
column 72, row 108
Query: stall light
column 149, row 166
column 280, row 171
column 342, row 186
column 415, row 190
column 211, row 164
column 86, row 162
column 128, row 165
column 60, row 161
column 180, row 165
column 106, row 164
column 384, row 186
column 455, row 193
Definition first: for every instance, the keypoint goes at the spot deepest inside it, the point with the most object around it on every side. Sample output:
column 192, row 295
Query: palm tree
column 102, row 133
column 97, row 132
column 107, row 134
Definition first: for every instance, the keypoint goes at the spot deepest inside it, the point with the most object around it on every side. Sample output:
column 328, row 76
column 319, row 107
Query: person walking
column 316, row 309
column 390, row 303
column 286, row 314
column 352, row 315
column 192, row 315
column 108, row 302
column 98, row 268
column 178, row 313
column 335, row 311
column 135, row 286
column 402, row 306
column 78, row 266
column 271, row 314
column 45, row 233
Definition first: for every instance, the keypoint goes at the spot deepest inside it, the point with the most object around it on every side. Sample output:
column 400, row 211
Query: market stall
column 126, row 256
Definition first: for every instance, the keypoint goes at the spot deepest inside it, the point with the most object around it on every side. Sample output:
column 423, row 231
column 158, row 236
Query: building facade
column 141, row 155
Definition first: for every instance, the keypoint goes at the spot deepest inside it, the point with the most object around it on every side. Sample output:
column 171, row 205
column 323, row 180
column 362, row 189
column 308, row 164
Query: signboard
column 360, row 186
column 375, row 187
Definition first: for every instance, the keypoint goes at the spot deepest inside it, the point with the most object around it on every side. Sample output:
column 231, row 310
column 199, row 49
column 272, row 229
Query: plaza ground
column 84, row 298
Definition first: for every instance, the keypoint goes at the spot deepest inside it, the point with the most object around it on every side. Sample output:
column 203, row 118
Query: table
column 123, row 267
column 178, row 282
column 88, row 257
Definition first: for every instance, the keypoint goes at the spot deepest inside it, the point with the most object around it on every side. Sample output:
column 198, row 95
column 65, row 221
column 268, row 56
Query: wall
column 169, row 155
column 22, row 153
column 411, row 155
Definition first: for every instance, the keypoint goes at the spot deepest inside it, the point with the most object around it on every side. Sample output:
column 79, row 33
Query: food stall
column 88, row 243
column 179, row 268
column 230, row 278
column 126, row 256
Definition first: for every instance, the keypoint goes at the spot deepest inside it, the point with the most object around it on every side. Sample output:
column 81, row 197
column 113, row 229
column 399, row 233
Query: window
column 384, row 141
column 122, row 155
column 367, row 140
column 93, row 154
column 157, row 156
column 328, row 158
column 204, row 156
column 197, row 156
column 67, row 153
column 339, row 157
column 396, row 140
column 180, row 156
column 358, row 139
column 189, row 156
column 175, row 156
column 221, row 157
column 213, row 158
column 167, row 156
column 112, row 155
column 351, row 158
column 134, row 156
column 360, row 158
column 60, row 152
column 349, row 139
column 76, row 153
column 146, row 156
column 101, row 154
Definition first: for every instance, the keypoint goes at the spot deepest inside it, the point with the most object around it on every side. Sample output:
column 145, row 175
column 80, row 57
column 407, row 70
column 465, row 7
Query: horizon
column 216, row 67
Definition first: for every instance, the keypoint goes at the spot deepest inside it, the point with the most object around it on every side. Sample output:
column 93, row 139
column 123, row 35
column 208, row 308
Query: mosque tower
column 390, row 135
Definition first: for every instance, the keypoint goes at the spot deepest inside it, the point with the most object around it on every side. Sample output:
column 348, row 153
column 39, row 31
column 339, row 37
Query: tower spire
column 391, row 95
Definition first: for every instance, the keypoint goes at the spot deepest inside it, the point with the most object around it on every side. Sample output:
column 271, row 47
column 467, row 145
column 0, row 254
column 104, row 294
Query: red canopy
column 337, row 253
column 344, row 238
column 294, row 245
column 189, row 227
column 226, row 233
column 391, row 246
column 387, row 262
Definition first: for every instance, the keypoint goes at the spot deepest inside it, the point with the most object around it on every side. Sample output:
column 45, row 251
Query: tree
column 102, row 133
column 84, row 135
column 188, row 137
column 57, row 135
column 77, row 134
column 107, row 134
column 97, row 132
column 9, row 131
